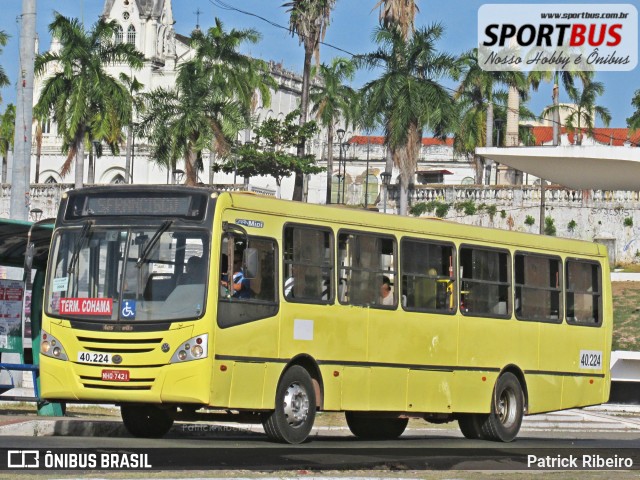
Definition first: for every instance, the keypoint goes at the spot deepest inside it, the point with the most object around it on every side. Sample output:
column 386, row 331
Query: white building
column 149, row 25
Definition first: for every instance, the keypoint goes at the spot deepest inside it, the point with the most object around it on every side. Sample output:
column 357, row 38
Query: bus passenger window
column 308, row 264
column 366, row 263
column 485, row 282
column 428, row 275
column 538, row 287
column 584, row 295
column 256, row 297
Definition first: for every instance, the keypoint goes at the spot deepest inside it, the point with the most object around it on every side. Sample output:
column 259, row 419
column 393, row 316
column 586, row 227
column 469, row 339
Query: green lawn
column 626, row 316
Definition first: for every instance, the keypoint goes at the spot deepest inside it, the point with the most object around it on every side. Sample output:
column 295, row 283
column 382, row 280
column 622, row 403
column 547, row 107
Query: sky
column 351, row 28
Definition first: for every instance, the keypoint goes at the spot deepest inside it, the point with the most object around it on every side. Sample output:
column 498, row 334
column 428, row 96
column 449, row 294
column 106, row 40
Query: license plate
column 93, row 357
column 115, row 375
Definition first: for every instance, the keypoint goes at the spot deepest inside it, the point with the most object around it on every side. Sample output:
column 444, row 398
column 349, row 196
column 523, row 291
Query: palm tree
column 4, row 80
column 633, row 122
column 399, row 14
column 477, row 93
column 86, row 102
column 331, row 101
column 7, row 131
column 134, row 87
column 244, row 78
column 210, row 103
column 309, row 20
column 583, row 111
column 407, row 97
column 567, row 79
column 192, row 117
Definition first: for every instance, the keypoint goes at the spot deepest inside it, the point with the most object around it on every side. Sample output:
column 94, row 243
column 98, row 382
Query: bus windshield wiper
column 86, row 229
column 156, row 236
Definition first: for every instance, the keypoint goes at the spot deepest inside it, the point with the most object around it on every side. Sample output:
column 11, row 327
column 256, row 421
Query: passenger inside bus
column 194, row 272
column 386, row 292
column 240, row 285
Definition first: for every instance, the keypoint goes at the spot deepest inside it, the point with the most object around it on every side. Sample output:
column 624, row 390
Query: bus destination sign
column 123, row 204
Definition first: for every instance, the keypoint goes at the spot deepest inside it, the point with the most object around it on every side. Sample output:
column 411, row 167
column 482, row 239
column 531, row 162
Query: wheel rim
column 507, row 407
column 296, row 405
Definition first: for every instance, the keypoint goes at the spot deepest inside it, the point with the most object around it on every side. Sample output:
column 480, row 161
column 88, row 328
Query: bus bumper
column 186, row 382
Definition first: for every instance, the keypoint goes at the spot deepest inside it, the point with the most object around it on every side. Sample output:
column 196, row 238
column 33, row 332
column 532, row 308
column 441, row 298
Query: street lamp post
column 340, row 133
column 177, row 175
column 346, row 146
column 366, row 181
column 386, row 180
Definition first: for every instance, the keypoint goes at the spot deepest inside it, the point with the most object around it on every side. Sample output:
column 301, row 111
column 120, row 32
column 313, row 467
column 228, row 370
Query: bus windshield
column 128, row 274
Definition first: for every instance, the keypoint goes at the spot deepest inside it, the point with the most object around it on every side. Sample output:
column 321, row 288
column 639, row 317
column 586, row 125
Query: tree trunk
column 304, row 108
column 79, row 182
column 513, row 118
column 556, row 110
column 4, row 169
column 329, row 162
column 127, row 163
column 489, row 125
column 38, row 151
column 189, row 165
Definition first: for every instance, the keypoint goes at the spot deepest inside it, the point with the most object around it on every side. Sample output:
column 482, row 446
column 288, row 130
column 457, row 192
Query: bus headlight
column 193, row 349
column 51, row 347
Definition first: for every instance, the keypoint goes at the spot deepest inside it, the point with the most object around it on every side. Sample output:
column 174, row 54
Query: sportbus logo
column 558, row 37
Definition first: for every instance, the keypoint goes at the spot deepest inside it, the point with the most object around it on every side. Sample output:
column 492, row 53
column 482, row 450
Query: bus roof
column 425, row 225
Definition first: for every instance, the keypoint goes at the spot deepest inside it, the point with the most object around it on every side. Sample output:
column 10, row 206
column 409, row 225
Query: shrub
column 467, row 206
column 628, row 222
column 492, row 210
column 549, row 227
column 503, row 214
column 571, row 226
column 441, row 208
column 529, row 220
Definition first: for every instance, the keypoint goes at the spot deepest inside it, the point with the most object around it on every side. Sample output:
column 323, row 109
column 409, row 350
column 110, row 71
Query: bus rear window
column 584, row 295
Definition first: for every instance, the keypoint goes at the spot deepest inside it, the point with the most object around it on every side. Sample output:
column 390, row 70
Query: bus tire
column 371, row 428
column 507, row 410
column 471, row 425
column 146, row 421
column 295, row 408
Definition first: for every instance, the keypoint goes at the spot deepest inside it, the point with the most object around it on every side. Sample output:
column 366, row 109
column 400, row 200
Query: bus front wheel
column 146, row 421
column 295, row 408
column 370, row 428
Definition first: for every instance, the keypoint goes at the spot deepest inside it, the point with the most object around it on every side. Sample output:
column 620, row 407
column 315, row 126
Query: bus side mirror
column 28, row 256
column 250, row 263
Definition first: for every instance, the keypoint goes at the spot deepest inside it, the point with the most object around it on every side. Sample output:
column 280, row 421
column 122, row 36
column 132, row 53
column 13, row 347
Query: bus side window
column 485, row 276
column 428, row 279
column 308, row 264
column 366, row 262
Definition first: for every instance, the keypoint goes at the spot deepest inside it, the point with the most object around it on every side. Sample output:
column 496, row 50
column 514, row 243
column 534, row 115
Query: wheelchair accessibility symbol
column 128, row 310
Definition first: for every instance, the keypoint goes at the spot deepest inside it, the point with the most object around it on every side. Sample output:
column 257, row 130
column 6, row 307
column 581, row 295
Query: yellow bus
column 305, row 308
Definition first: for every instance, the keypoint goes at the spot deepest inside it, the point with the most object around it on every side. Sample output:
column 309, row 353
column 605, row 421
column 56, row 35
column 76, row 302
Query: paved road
column 580, row 433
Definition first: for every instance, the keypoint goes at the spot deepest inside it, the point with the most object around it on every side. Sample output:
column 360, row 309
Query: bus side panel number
column 591, row 359
column 91, row 357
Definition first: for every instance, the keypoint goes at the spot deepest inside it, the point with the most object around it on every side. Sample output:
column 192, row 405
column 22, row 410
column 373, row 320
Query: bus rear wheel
column 295, row 408
column 507, row 410
column 368, row 427
column 146, row 421
column 471, row 425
